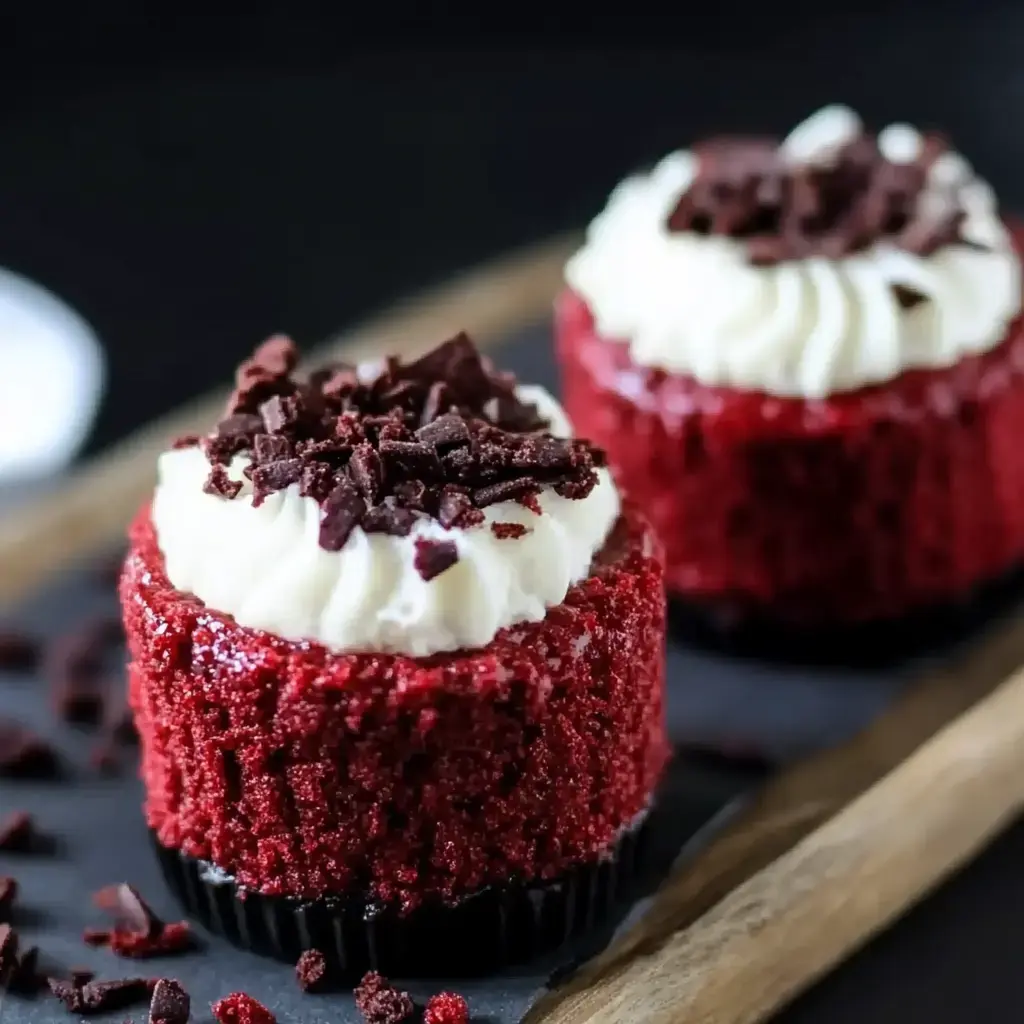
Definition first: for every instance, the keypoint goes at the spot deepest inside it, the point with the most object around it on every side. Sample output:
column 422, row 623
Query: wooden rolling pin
column 806, row 876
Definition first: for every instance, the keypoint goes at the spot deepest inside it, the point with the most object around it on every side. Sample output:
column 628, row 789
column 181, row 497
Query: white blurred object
column 51, row 380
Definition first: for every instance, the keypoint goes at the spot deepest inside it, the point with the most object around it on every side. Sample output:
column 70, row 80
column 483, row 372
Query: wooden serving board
column 829, row 851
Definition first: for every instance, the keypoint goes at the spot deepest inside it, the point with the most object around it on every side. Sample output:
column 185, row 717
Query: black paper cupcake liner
column 496, row 927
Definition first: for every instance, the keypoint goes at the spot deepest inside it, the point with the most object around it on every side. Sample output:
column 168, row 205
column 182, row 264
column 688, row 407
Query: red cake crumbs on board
column 550, row 740
column 238, row 1008
column 380, row 1002
column 441, row 437
column 446, row 1008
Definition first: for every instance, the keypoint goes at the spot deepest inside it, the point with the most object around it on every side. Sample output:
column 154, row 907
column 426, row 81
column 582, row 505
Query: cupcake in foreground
column 804, row 360
column 396, row 664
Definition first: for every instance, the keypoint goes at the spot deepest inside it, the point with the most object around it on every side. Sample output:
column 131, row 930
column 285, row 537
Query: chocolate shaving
column 18, row 651
column 18, row 833
column 906, row 297
column 138, row 932
column 170, row 1004
column 128, row 909
column 24, row 755
column 784, row 210
column 8, row 894
column 8, row 950
column 433, row 557
column 101, row 996
column 26, row 978
column 441, row 437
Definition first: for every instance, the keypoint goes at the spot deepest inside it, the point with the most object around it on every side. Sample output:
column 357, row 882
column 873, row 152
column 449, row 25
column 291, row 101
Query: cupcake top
column 823, row 263
column 402, row 508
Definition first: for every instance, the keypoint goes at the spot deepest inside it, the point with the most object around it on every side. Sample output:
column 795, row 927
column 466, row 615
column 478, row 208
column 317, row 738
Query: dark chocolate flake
column 367, row 471
column 219, row 483
column 381, row 449
column 129, row 910
column 504, row 490
column 405, row 459
column 8, row 950
column 24, row 755
column 342, row 512
column 101, row 996
column 907, row 297
column 445, row 432
column 170, row 1004
column 8, row 894
column 433, row 557
column 17, row 832
column 274, row 476
column 19, row 652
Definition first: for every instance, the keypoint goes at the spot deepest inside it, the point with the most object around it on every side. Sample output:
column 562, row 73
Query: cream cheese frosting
column 265, row 567
column 695, row 304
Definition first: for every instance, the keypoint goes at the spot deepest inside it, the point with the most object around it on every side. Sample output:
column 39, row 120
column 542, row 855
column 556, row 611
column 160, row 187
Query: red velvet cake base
column 863, row 507
column 304, row 773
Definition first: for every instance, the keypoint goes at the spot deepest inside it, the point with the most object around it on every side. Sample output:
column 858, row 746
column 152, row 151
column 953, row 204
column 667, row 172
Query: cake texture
column 828, row 438
column 401, row 782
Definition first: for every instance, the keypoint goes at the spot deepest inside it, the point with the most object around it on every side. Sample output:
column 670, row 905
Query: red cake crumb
column 380, row 1003
column 238, row 1008
column 311, row 971
column 446, row 1008
column 549, row 741
column 138, row 932
column 509, row 531
column 865, row 506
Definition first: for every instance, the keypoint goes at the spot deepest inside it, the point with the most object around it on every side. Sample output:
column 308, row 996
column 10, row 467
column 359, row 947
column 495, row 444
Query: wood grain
column 91, row 509
column 777, row 854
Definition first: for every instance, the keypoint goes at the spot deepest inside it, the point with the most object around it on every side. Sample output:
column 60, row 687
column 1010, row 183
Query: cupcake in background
column 397, row 666
column 805, row 361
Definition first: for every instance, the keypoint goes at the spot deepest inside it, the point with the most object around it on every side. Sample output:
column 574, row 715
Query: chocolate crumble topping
column 441, row 437
column 785, row 210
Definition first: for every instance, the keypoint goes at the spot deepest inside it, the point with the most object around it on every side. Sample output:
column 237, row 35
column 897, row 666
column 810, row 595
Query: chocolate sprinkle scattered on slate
column 101, row 996
column 129, row 910
column 8, row 894
column 26, row 980
column 8, row 950
column 17, row 832
column 24, row 755
column 18, row 651
column 784, row 210
column 440, row 437
column 171, row 1003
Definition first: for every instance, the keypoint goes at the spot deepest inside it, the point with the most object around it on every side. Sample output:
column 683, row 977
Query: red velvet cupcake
column 396, row 665
column 804, row 360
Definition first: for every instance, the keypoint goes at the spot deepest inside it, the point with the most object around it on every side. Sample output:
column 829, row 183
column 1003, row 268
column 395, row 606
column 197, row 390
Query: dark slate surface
column 713, row 699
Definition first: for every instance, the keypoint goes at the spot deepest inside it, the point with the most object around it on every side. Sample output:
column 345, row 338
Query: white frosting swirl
column 693, row 304
column 265, row 567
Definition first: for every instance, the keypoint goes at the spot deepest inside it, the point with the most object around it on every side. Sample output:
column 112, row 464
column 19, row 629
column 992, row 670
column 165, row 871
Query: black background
column 193, row 184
